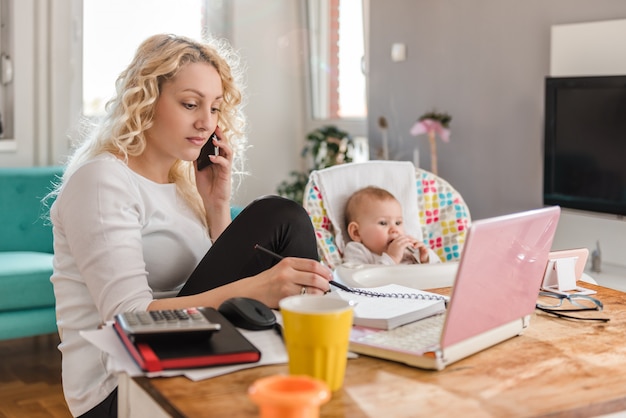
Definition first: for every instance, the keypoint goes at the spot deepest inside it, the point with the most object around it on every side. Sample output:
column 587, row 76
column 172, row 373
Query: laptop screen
column 500, row 272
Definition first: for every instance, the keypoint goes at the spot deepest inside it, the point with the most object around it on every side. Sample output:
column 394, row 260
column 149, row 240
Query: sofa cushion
column 234, row 211
column 23, row 216
column 25, row 280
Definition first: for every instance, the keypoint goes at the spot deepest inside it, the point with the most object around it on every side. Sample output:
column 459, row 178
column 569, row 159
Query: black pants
column 276, row 223
column 105, row 409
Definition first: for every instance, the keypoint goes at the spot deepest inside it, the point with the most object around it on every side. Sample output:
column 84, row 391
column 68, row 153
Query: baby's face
column 380, row 222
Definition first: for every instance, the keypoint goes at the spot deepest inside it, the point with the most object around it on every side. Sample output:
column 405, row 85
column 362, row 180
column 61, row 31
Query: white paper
column 106, row 340
column 268, row 342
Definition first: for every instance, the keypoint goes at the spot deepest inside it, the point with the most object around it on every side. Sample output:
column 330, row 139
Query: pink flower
column 429, row 126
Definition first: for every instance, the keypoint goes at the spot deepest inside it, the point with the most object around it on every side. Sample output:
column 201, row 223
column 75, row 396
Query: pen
column 280, row 257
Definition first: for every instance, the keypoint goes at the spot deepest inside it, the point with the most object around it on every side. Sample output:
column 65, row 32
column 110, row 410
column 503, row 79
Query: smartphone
column 208, row 149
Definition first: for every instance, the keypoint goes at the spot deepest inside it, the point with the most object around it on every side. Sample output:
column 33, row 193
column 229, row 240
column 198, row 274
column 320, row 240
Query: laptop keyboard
column 415, row 336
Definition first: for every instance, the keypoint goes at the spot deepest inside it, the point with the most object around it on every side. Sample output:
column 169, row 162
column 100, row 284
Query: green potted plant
column 325, row 147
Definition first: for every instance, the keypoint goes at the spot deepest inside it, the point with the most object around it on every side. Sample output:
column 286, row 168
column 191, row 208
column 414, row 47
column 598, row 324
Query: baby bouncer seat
column 433, row 210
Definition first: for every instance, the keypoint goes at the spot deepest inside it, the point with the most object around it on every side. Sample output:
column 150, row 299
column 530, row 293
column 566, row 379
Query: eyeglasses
column 553, row 306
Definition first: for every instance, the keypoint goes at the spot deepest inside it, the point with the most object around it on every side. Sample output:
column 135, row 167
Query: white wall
column 580, row 49
column 589, row 48
column 270, row 36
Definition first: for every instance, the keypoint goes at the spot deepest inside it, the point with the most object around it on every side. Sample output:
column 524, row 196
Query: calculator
column 159, row 324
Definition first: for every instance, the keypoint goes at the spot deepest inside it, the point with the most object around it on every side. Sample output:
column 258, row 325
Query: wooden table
column 557, row 368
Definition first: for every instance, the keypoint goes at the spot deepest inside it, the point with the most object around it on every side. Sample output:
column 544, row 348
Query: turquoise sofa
column 26, row 295
column 27, row 305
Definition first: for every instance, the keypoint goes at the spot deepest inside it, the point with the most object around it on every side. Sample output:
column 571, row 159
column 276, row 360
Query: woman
column 138, row 227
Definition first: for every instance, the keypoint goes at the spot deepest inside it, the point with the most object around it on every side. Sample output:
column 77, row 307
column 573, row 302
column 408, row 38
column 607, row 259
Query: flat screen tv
column 585, row 143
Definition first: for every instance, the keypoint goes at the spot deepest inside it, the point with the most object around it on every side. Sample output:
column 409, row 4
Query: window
column 337, row 56
column 112, row 31
column 6, row 70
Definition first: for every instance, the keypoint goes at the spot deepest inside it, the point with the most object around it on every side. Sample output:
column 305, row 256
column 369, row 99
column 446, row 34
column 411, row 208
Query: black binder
column 223, row 347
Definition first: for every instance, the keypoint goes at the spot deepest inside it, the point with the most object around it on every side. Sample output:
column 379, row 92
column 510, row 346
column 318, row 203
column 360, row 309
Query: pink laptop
column 495, row 291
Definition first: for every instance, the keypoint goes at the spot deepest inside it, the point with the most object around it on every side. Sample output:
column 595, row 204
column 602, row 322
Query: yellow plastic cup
column 317, row 332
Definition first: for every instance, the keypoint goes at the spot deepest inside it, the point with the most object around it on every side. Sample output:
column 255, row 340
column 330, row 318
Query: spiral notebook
column 495, row 291
column 372, row 308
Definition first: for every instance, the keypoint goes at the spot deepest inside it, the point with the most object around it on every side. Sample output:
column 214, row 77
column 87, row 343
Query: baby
column 374, row 223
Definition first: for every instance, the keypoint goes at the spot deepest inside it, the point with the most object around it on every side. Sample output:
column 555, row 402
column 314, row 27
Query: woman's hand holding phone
column 207, row 150
column 214, row 181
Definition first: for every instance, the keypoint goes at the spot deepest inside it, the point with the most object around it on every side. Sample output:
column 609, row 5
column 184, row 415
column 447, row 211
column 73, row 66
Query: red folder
column 224, row 347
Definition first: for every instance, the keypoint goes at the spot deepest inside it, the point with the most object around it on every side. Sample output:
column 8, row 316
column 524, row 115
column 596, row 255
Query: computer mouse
column 248, row 313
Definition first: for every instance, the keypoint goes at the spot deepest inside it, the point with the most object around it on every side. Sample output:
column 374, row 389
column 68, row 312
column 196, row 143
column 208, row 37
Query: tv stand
column 580, row 229
column 611, row 275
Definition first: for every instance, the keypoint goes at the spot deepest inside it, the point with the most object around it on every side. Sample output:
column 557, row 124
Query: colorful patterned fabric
column 444, row 217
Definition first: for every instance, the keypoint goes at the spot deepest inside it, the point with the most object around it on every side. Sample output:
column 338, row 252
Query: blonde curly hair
column 131, row 112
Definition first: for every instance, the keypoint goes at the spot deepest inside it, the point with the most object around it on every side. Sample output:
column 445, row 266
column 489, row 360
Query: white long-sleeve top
column 119, row 241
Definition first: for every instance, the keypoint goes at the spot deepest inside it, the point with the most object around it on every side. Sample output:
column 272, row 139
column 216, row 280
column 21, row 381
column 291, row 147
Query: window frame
column 357, row 127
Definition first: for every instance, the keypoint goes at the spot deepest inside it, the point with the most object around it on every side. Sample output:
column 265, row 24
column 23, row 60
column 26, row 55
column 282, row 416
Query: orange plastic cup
column 283, row 396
